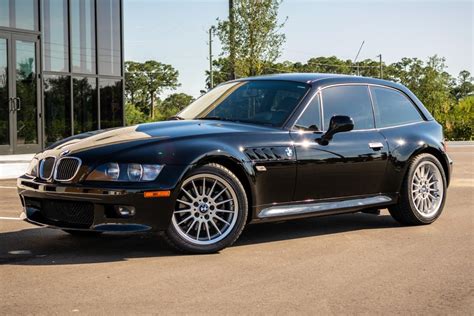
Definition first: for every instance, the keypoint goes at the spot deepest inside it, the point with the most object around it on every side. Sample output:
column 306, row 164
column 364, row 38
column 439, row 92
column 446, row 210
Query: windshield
column 261, row 102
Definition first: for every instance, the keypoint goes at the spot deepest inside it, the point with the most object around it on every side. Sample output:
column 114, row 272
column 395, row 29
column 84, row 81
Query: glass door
column 19, row 94
column 25, row 88
column 6, row 116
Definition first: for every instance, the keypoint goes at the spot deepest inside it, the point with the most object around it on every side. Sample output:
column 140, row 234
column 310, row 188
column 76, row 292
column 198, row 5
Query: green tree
column 133, row 115
column 222, row 69
column 428, row 81
column 464, row 85
column 172, row 104
column 134, row 81
column 149, row 80
column 256, row 39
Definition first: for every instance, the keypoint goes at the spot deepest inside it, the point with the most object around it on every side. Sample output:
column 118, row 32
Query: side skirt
column 324, row 208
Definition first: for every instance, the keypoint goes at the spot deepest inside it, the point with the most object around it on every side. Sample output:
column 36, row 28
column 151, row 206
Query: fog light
column 125, row 211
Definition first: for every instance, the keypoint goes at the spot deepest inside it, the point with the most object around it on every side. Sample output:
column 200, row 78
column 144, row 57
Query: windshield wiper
column 176, row 118
column 217, row 118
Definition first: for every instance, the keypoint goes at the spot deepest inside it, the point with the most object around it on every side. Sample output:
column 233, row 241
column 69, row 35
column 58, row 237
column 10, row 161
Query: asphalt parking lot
column 346, row 264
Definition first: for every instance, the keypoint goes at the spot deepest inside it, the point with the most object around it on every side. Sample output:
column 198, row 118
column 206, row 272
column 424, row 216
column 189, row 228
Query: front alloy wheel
column 210, row 211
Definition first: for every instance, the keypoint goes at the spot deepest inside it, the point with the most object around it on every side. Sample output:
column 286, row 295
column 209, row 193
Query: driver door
column 353, row 163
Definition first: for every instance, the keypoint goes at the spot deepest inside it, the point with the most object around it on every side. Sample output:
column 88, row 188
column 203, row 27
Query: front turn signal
column 157, row 194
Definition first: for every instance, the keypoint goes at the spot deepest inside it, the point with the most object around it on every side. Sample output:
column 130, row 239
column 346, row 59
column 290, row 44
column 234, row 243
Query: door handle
column 376, row 145
column 18, row 104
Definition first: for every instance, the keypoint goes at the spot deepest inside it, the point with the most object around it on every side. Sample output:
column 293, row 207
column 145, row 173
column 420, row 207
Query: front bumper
column 68, row 206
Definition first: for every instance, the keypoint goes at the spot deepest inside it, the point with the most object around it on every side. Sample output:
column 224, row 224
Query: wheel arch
column 438, row 155
column 242, row 171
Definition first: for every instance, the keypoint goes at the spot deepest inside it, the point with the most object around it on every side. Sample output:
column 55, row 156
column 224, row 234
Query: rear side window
column 393, row 108
column 353, row 101
column 310, row 120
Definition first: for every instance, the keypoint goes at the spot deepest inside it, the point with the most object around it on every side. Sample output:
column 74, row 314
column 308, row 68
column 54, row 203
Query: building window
column 57, row 108
column 20, row 14
column 55, row 35
column 109, row 33
column 83, row 36
column 85, row 104
column 111, row 103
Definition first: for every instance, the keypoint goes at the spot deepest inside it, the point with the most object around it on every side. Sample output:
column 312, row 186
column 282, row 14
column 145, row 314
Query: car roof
column 298, row 77
column 312, row 78
column 318, row 80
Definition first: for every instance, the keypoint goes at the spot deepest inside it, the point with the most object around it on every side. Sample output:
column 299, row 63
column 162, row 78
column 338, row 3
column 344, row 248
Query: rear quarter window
column 393, row 108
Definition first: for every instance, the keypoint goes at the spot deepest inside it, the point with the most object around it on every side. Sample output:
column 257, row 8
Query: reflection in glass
column 83, row 36
column 55, row 36
column 57, row 108
column 108, row 27
column 26, row 12
column 5, row 13
column 26, row 129
column 20, row 14
column 111, row 109
column 85, row 104
column 4, row 97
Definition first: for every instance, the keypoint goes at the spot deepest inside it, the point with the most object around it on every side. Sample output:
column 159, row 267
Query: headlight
column 123, row 172
column 32, row 169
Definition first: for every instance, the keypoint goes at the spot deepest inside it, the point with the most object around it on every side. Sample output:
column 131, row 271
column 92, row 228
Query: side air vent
column 270, row 153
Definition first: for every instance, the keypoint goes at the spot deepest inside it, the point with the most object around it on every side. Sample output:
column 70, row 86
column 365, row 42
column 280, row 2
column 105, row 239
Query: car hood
column 153, row 132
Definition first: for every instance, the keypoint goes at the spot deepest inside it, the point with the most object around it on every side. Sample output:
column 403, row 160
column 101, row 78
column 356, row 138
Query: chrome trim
column 320, row 89
column 307, row 208
column 376, row 145
column 401, row 125
column 56, row 169
column 40, row 168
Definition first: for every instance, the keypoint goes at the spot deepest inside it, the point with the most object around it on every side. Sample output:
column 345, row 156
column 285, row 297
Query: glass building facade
column 61, row 70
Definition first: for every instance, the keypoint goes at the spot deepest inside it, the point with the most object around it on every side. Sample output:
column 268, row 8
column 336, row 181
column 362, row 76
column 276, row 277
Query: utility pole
column 357, row 56
column 232, row 39
column 380, row 61
column 211, row 74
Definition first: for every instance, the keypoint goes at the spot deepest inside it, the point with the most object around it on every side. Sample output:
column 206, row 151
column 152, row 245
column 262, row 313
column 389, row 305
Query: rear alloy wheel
column 210, row 211
column 423, row 192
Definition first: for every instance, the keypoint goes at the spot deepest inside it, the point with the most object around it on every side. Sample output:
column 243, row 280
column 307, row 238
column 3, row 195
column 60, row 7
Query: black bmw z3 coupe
column 252, row 150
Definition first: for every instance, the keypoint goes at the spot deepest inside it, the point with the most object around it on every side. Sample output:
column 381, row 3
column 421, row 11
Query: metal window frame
column 72, row 74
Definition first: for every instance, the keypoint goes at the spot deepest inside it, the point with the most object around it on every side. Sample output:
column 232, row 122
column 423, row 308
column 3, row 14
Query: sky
column 175, row 32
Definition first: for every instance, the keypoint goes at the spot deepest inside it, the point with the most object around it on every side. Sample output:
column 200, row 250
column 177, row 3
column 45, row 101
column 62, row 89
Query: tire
column 210, row 211
column 423, row 192
column 82, row 233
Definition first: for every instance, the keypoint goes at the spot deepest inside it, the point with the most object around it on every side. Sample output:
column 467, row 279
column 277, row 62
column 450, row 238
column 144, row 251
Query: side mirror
column 338, row 124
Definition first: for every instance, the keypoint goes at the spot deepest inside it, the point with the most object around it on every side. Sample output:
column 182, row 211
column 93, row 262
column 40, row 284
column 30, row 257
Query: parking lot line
column 3, row 187
column 10, row 218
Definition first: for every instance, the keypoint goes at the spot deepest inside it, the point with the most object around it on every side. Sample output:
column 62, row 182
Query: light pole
column 380, row 61
column 357, row 56
column 211, row 74
column 232, row 39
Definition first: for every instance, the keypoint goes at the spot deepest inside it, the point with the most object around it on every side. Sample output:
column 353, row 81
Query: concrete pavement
column 345, row 264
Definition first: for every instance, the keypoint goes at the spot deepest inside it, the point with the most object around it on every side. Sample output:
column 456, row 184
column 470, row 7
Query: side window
column 393, row 108
column 310, row 120
column 353, row 101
